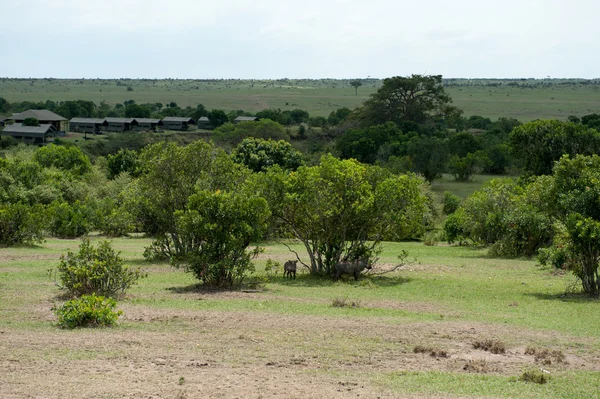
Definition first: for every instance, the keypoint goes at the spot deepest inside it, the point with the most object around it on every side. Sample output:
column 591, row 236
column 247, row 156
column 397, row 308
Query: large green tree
column 343, row 209
column 417, row 98
column 575, row 201
column 169, row 175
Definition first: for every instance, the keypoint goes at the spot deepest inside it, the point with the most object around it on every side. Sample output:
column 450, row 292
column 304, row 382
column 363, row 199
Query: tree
column 123, row 161
column 539, row 144
column 343, row 209
column 418, row 98
column 217, row 117
column 356, row 84
column 428, row 156
column 70, row 159
column 169, row 175
column 364, row 144
column 264, row 129
column 222, row 225
column 260, row 154
column 136, row 111
column 4, row 105
column 31, row 122
column 575, row 201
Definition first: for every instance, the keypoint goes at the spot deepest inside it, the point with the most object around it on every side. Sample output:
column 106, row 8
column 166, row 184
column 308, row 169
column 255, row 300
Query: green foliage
column 364, row 144
column 69, row 159
column 87, row 311
column 575, row 201
column 21, row 224
column 541, row 143
column 123, row 161
column 98, row 271
column 259, row 154
column 263, row 129
column 451, row 202
column 169, row 175
column 428, row 156
column 217, row 117
column 219, row 227
column 68, row 220
column 343, row 209
column 462, row 168
column 418, row 98
column 356, row 84
column 505, row 214
column 338, row 116
column 31, row 122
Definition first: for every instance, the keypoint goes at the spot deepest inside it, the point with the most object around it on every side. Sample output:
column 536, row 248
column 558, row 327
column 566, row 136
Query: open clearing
column 176, row 340
column 541, row 100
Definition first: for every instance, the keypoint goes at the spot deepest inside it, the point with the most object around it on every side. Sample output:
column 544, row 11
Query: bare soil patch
column 164, row 353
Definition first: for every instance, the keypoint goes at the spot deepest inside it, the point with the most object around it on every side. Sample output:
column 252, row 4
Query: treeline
column 206, row 208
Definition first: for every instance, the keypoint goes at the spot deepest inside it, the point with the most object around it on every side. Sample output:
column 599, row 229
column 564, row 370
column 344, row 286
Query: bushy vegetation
column 88, row 311
column 98, row 271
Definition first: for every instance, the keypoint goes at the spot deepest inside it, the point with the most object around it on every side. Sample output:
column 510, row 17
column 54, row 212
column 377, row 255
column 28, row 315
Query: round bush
column 88, row 311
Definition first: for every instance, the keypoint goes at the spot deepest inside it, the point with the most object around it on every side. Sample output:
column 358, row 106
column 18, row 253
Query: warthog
column 289, row 269
column 353, row 267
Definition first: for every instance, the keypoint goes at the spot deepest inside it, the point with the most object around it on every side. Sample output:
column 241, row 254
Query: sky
column 272, row 39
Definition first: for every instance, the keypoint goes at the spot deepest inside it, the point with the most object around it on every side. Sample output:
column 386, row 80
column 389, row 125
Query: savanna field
column 411, row 333
column 470, row 312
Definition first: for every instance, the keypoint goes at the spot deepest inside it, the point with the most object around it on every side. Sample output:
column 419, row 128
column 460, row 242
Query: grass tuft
column 490, row 345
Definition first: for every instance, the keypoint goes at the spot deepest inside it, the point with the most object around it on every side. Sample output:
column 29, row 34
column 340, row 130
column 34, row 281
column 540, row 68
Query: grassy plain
column 177, row 340
column 318, row 97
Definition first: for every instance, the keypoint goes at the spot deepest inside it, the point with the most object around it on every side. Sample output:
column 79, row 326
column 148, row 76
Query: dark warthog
column 353, row 267
column 289, row 268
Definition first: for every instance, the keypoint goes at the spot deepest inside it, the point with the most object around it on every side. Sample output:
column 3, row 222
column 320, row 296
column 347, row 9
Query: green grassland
column 445, row 298
column 538, row 100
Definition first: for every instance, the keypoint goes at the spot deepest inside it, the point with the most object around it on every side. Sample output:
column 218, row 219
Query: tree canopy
column 417, row 98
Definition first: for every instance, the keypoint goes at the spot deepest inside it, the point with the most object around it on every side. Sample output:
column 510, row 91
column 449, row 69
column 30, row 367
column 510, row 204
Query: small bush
column 536, row 376
column 433, row 352
column 272, row 268
column 344, row 303
column 97, row 271
column 88, row 311
column 491, row 345
column 545, row 356
column 478, row 366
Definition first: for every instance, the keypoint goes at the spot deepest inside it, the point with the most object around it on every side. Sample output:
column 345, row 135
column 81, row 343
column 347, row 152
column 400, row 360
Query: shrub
column 68, row 221
column 20, row 224
column 97, row 271
column 88, row 311
column 345, row 303
column 536, row 376
column 451, row 202
column 491, row 345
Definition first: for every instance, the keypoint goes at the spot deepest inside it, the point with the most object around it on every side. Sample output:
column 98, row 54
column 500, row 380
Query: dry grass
column 545, row 356
column 490, row 345
column 478, row 366
column 345, row 303
column 433, row 352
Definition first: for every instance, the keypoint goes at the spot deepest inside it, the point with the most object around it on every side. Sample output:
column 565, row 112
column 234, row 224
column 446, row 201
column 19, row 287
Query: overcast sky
column 299, row 39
